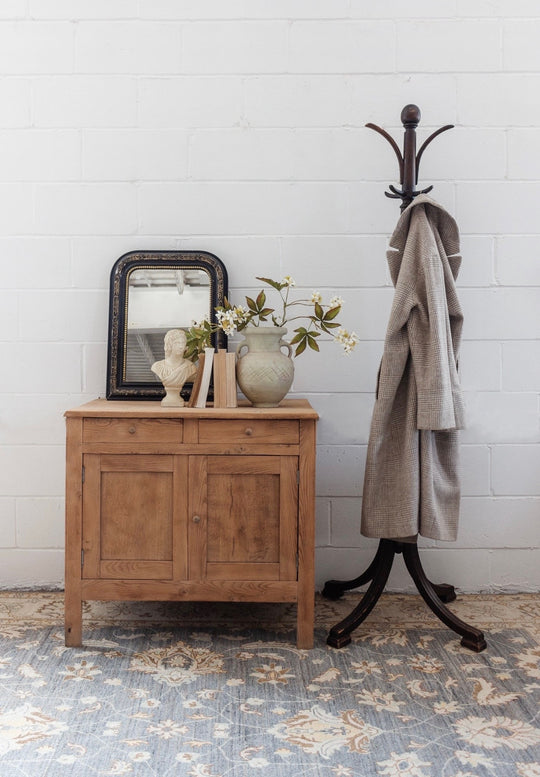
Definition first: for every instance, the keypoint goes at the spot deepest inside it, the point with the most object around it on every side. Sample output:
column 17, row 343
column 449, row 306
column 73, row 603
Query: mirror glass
column 152, row 293
column 159, row 299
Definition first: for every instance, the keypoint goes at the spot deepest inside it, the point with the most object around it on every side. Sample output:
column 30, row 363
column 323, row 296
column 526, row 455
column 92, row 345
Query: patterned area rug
column 166, row 690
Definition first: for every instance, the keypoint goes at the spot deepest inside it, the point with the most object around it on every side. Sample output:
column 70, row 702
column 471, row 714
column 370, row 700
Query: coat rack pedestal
column 435, row 596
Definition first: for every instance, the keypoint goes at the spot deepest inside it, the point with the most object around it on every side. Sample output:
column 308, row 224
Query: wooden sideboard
column 185, row 504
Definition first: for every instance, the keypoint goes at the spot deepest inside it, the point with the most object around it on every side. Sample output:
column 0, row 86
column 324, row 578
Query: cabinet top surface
column 103, row 408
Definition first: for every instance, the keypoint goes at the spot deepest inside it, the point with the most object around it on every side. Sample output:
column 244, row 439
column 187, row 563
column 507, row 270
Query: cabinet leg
column 305, row 622
column 73, row 621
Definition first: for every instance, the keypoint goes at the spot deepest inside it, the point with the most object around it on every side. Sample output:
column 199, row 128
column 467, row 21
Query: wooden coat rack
column 378, row 571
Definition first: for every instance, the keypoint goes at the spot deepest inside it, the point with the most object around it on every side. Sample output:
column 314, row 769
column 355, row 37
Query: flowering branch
column 236, row 318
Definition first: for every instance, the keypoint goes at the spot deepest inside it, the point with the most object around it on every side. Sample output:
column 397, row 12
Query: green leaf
column 261, row 299
column 272, row 283
column 251, row 304
column 327, row 326
column 266, row 311
column 297, row 338
column 313, row 343
column 319, row 312
column 332, row 313
column 301, row 348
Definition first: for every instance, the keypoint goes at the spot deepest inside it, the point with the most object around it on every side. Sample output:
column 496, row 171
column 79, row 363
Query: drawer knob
column 131, row 430
column 249, row 431
column 196, row 519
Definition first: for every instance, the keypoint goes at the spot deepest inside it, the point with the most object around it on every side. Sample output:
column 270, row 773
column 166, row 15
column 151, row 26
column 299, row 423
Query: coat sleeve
column 428, row 329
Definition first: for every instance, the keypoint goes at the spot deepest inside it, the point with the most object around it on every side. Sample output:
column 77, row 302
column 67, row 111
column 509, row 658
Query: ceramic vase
column 264, row 373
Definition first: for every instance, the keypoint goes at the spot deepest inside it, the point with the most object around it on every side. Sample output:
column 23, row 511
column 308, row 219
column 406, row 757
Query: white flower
column 336, row 301
column 227, row 321
column 288, row 281
column 316, row 296
column 240, row 313
column 347, row 339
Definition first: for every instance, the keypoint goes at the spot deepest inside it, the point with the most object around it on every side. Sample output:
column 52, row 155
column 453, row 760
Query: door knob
column 196, row 519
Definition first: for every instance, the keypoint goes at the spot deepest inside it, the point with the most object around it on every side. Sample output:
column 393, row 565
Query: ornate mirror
column 150, row 293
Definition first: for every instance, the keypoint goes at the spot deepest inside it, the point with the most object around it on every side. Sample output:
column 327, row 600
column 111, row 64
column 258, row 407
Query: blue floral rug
column 148, row 697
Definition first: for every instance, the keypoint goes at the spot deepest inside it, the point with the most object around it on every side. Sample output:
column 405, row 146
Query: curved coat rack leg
column 334, row 589
column 471, row 638
column 340, row 634
column 378, row 571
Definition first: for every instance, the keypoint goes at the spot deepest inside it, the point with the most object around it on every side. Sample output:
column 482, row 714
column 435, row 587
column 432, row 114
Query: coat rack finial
column 409, row 161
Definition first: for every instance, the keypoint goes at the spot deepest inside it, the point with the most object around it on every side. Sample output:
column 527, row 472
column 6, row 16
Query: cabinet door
column 243, row 517
column 134, row 517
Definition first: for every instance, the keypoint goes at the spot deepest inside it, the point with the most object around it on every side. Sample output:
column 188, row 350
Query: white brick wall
column 238, row 128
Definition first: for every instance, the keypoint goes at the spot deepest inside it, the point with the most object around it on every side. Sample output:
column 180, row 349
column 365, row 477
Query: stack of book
column 223, row 367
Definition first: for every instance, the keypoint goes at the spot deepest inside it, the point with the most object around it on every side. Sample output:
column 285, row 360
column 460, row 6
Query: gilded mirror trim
column 118, row 387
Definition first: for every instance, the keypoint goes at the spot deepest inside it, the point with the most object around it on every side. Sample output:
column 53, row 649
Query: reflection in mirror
column 152, row 292
column 160, row 299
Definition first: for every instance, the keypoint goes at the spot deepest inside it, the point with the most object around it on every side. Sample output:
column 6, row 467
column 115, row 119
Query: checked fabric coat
column 411, row 483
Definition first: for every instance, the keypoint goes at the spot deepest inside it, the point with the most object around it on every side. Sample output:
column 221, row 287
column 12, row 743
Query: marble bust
column 174, row 370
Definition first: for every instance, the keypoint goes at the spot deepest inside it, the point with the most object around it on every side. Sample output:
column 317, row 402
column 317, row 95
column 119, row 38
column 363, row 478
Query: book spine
column 220, row 378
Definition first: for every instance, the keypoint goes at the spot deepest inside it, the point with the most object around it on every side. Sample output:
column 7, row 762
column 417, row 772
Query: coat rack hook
column 409, row 161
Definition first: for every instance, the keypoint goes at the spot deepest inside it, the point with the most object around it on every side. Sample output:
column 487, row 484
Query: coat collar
column 423, row 212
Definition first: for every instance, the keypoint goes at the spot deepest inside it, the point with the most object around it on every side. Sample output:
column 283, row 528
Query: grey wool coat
column 411, row 483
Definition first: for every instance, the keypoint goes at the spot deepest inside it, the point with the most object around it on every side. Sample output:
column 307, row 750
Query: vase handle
column 239, row 348
column 283, row 344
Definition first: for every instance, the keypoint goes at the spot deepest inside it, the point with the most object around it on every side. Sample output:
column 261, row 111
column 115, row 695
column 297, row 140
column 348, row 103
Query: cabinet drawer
column 132, row 430
column 224, row 431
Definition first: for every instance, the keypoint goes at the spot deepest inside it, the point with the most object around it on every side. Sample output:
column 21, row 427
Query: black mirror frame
column 117, row 386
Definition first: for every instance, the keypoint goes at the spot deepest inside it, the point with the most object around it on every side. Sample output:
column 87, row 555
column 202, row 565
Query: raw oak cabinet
column 186, row 504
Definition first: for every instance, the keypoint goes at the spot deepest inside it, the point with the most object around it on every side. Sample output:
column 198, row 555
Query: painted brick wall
column 238, row 128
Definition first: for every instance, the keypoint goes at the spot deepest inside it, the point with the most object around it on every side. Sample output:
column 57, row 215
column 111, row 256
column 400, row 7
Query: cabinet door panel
column 244, row 519
column 129, row 517
column 136, row 515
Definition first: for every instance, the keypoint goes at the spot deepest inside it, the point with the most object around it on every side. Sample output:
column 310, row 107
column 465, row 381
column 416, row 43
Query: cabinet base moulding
column 190, row 591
